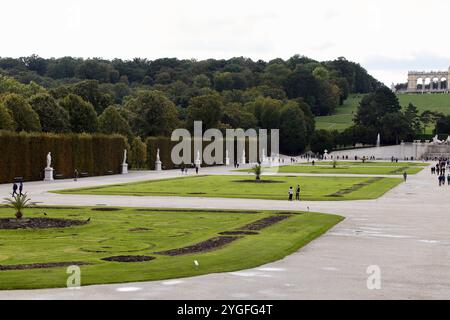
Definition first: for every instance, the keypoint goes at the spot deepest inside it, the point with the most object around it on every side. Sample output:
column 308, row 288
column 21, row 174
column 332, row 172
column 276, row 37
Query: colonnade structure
column 432, row 81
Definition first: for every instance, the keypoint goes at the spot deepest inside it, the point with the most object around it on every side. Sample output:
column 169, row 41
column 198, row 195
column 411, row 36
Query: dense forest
column 142, row 98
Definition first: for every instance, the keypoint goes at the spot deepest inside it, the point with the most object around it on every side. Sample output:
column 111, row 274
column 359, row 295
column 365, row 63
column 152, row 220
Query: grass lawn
column 131, row 231
column 230, row 186
column 382, row 168
column 343, row 117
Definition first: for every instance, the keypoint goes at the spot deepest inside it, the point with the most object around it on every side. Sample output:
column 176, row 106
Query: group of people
column 291, row 193
column 17, row 187
column 439, row 169
column 184, row 169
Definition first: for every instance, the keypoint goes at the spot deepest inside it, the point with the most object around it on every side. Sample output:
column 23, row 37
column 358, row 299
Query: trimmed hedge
column 24, row 154
column 165, row 146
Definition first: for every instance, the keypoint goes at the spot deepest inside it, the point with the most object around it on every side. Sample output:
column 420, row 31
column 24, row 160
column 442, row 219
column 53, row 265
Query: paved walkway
column 405, row 233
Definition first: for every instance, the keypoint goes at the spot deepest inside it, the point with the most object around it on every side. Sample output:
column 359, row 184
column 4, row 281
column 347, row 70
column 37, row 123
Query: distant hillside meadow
column 343, row 115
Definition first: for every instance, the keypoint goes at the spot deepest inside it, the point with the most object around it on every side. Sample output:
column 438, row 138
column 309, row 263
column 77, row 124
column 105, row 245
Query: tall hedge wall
column 165, row 146
column 24, row 155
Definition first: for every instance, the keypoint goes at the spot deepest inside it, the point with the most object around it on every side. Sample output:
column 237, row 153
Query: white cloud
column 386, row 36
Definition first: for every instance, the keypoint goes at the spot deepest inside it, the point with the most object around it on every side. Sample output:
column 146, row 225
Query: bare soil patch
column 128, row 258
column 138, row 229
column 39, row 223
column 265, row 222
column 41, row 265
column 239, row 232
column 106, row 209
column 259, row 181
column 204, row 246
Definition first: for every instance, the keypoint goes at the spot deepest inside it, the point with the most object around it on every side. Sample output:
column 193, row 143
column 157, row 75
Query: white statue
column 448, row 140
column 49, row 160
column 157, row 155
column 226, row 153
column 124, row 156
column 198, row 155
column 436, row 140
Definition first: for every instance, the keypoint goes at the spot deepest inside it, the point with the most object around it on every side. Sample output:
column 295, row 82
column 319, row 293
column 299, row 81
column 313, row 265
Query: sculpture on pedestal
column 124, row 162
column 227, row 158
column 158, row 163
column 48, row 176
column 197, row 161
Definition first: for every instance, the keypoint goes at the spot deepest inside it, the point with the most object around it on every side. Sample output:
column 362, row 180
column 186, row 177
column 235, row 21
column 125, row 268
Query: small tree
column 138, row 153
column 257, row 170
column 19, row 203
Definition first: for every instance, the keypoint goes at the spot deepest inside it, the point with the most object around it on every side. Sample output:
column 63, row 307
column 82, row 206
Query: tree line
column 142, row 98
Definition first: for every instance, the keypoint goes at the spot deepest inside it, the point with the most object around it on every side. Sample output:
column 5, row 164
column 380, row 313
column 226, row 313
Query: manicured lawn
column 382, row 168
column 131, row 231
column 229, row 186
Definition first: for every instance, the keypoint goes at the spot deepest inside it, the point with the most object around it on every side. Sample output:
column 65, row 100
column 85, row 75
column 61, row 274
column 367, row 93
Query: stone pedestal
column 197, row 163
column 124, row 168
column 48, row 174
column 158, row 165
column 227, row 161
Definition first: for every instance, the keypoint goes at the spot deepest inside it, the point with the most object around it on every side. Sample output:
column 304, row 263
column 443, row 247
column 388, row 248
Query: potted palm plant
column 19, row 203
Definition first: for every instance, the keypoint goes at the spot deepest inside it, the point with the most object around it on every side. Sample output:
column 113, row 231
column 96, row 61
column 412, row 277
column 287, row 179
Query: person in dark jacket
column 14, row 189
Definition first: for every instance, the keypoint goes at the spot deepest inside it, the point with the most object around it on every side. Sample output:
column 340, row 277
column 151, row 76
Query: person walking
column 448, row 179
column 405, row 175
column 290, row 193
column 297, row 193
column 14, row 189
column 196, row 169
column 20, row 188
column 75, row 174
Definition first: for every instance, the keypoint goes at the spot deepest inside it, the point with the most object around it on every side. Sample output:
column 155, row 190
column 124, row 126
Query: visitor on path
column 75, row 174
column 14, row 189
column 441, row 179
column 297, row 193
column 20, row 187
column 405, row 175
column 448, row 179
column 290, row 193
column 196, row 169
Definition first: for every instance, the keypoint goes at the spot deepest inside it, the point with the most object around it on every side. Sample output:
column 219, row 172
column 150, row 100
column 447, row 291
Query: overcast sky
column 387, row 37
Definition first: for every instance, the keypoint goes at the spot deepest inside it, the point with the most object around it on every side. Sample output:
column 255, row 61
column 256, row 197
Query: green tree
column 375, row 106
column 413, row 118
column 82, row 115
column 202, row 81
column 111, row 121
column 443, row 125
column 89, row 90
column 6, row 119
column 207, row 108
column 322, row 140
column 53, row 117
column 292, row 130
column 24, row 116
column 276, row 73
column 138, row 153
column 153, row 114
column 266, row 111
column 395, row 127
